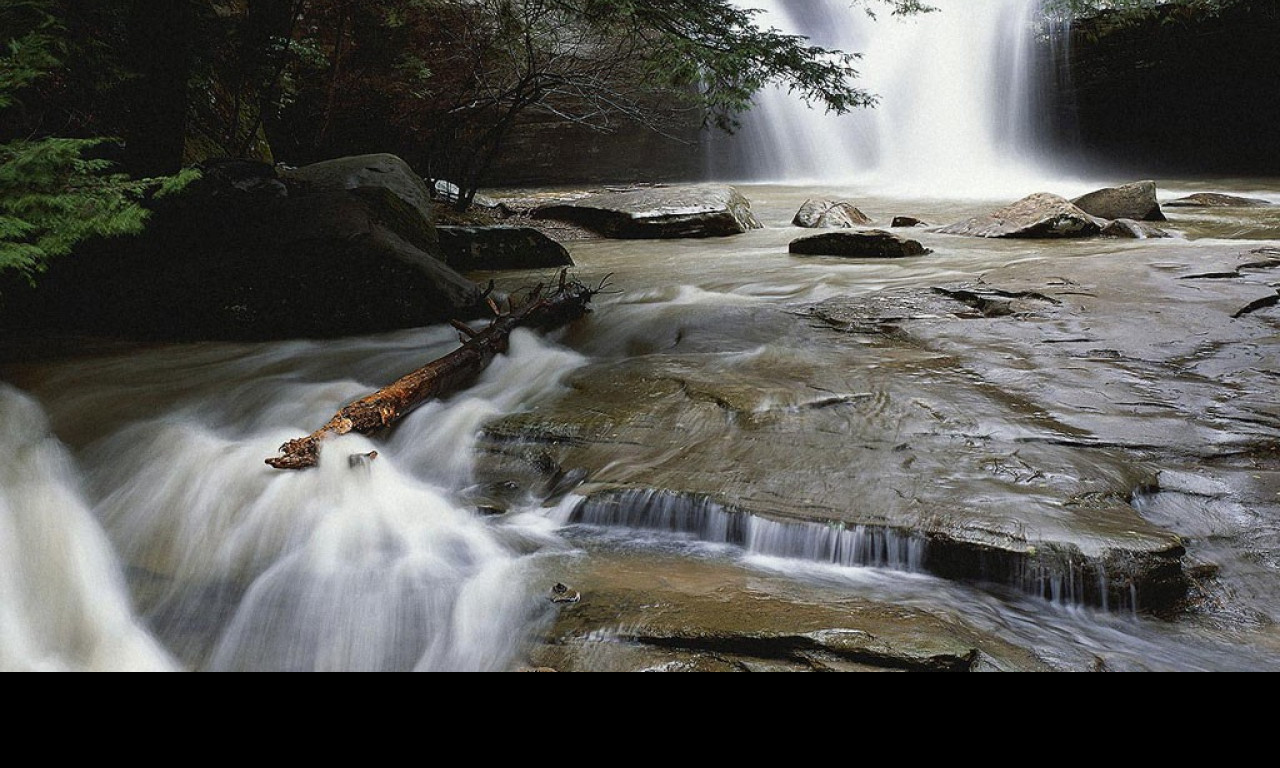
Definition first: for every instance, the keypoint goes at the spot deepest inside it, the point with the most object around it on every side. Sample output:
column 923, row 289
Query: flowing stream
column 140, row 528
column 143, row 531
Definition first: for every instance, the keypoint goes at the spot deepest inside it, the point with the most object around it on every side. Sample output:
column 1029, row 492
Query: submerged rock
column 1040, row 215
column 1135, row 201
column 469, row 249
column 1216, row 200
column 904, row 222
column 870, row 244
column 707, row 210
column 1133, row 230
column 828, row 214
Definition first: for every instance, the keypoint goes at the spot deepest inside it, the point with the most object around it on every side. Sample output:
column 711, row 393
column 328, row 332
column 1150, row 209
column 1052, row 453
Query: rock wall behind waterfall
column 1172, row 95
column 552, row 151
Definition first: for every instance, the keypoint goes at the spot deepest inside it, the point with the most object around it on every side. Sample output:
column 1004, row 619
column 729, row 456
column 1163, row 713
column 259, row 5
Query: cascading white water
column 63, row 601
column 350, row 567
column 954, row 90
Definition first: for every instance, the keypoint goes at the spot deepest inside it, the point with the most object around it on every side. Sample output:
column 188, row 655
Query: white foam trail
column 63, row 603
column 439, row 439
column 365, row 567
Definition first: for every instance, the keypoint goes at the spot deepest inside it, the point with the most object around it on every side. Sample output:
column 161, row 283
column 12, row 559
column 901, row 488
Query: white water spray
column 63, row 602
column 954, row 112
column 354, row 566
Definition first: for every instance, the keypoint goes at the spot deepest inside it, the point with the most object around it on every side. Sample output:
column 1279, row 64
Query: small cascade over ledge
column 956, row 97
column 1057, row 573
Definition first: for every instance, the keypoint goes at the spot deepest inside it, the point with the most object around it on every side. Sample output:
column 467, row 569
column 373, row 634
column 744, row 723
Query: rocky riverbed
column 1033, row 427
column 996, row 455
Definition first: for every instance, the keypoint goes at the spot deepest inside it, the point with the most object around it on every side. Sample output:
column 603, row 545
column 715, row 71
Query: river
column 141, row 529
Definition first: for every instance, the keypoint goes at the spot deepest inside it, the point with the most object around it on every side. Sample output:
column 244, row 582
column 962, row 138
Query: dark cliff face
column 551, row 152
column 1188, row 95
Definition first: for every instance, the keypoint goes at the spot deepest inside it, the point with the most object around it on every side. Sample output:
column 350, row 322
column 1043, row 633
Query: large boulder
column 235, row 257
column 1217, row 200
column 382, row 170
column 829, row 214
column 1040, row 215
column 705, row 210
column 470, row 249
column 906, row 222
column 1135, row 201
column 1133, row 230
column 869, row 244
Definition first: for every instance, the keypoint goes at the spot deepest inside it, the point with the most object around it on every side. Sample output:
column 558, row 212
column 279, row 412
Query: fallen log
column 448, row 375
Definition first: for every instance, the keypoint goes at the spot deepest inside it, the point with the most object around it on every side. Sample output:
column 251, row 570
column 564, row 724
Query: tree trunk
column 451, row 373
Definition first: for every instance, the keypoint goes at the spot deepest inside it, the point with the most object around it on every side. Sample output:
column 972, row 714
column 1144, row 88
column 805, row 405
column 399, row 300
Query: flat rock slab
column 829, row 214
column 998, row 429
column 869, row 244
column 1040, row 215
column 650, row 612
column 1137, row 201
column 1216, row 200
column 899, row 446
column 708, row 210
column 472, row 249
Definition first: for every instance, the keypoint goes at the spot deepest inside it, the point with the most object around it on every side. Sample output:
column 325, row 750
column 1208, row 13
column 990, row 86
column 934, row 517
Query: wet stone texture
column 655, row 612
column 1008, row 427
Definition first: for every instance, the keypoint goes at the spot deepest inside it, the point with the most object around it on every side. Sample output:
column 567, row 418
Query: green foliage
column 28, row 56
column 1130, row 11
column 53, row 193
column 52, row 198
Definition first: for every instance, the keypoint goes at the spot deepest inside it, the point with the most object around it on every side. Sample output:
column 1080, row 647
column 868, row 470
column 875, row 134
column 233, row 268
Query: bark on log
column 440, row 378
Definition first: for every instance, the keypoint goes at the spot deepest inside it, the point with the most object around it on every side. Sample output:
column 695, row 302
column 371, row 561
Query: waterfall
column 955, row 91
column 63, row 601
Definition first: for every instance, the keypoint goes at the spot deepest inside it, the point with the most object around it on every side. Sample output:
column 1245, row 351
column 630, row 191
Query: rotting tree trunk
column 440, row 378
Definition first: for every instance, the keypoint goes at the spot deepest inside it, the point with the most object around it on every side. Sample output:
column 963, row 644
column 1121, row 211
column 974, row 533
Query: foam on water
column 63, row 601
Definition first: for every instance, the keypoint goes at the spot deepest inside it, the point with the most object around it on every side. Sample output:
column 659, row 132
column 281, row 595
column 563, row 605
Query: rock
column 1215, row 200
column 708, row 210
column 652, row 611
column 871, row 244
column 217, row 266
column 1040, row 215
column 469, row 249
column 902, row 222
column 827, row 214
column 1135, row 201
column 385, row 171
column 244, row 180
column 445, row 191
column 483, row 201
column 652, row 433
column 1134, row 230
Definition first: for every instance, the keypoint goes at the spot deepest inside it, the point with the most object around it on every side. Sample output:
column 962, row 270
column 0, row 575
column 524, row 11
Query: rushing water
column 140, row 529
column 953, row 112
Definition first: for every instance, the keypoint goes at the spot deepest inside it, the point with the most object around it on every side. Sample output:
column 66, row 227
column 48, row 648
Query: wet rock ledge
column 995, row 432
